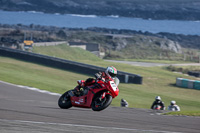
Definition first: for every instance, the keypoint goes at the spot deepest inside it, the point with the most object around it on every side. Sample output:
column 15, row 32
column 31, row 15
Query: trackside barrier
column 73, row 66
column 197, row 85
column 186, row 83
column 194, row 73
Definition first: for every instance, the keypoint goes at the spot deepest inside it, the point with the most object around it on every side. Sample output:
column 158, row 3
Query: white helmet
column 158, row 98
column 111, row 71
column 173, row 102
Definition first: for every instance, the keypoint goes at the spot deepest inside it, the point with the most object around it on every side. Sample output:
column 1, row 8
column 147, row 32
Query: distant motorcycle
column 157, row 107
column 97, row 96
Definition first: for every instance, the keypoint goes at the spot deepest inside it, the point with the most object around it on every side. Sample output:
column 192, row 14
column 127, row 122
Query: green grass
column 183, row 69
column 184, row 113
column 66, row 52
column 33, row 75
column 159, row 61
column 77, row 54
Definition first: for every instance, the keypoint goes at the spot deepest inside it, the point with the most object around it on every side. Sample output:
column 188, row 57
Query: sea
column 111, row 22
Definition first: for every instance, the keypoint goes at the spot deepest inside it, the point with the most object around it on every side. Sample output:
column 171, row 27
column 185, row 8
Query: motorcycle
column 157, row 107
column 97, row 96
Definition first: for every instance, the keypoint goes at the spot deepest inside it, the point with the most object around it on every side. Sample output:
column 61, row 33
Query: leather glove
column 98, row 75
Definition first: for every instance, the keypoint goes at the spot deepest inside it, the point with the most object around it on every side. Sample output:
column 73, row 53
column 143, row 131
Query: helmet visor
column 112, row 74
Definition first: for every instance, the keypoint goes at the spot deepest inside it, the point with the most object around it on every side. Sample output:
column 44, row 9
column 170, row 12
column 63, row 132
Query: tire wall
column 194, row 73
column 186, row 83
column 68, row 65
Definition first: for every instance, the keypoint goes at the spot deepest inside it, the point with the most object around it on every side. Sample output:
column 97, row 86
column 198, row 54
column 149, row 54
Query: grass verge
column 184, row 113
column 66, row 52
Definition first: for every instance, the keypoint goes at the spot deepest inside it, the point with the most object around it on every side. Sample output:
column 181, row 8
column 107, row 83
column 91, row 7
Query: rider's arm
column 100, row 75
column 178, row 108
column 152, row 105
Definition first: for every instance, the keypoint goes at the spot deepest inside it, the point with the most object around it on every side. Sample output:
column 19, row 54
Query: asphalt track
column 29, row 111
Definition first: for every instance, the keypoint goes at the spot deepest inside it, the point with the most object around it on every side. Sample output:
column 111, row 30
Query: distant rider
column 108, row 74
column 124, row 103
column 173, row 106
column 158, row 102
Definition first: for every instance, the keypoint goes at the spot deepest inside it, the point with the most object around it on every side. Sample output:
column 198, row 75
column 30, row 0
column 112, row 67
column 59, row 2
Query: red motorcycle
column 97, row 96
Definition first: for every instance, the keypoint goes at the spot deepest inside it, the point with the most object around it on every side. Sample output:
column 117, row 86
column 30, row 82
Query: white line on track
column 86, row 126
column 31, row 88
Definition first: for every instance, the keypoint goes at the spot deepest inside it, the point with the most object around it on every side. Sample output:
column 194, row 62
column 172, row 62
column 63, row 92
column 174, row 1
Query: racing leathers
column 82, row 85
column 174, row 108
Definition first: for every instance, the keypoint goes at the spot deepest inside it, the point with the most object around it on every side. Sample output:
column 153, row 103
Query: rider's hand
column 103, row 79
column 98, row 76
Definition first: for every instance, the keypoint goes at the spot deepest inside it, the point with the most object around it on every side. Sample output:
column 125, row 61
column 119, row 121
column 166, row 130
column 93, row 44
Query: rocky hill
column 186, row 41
column 147, row 9
column 120, row 44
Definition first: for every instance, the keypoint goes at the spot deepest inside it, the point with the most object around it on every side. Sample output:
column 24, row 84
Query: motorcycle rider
column 110, row 72
column 173, row 106
column 124, row 103
column 158, row 102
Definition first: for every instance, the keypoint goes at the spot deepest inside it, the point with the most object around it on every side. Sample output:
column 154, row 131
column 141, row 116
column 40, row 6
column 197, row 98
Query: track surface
column 28, row 111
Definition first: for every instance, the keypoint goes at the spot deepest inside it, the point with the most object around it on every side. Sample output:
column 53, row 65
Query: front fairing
column 110, row 85
column 116, row 80
column 113, row 89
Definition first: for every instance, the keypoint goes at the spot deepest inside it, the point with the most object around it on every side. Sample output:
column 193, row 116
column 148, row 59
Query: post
column 126, row 78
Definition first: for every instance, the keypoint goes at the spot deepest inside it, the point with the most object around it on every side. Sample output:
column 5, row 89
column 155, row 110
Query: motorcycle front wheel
column 64, row 101
column 99, row 104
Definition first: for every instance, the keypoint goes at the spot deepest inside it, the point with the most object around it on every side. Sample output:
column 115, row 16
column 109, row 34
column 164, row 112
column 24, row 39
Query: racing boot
column 77, row 90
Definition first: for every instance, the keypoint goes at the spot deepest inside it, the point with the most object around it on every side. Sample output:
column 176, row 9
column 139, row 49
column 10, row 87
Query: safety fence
column 194, row 73
column 72, row 66
column 187, row 83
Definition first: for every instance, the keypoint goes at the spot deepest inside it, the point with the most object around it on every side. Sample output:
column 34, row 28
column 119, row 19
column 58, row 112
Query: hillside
column 117, row 44
column 66, row 52
column 130, row 46
column 147, row 9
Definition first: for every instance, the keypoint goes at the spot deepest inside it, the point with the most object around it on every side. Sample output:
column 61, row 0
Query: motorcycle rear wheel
column 64, row 101
column 98, row 105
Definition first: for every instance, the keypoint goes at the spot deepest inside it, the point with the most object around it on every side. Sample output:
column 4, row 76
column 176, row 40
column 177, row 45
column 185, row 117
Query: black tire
column 98, row 105
column 64, row 101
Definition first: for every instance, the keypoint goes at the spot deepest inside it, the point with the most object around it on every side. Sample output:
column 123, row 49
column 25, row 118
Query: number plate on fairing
column 113, row 85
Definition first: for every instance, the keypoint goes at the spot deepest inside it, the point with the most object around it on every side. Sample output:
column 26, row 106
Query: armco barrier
column 186, row 83
column 194, row 73
column 66, row 64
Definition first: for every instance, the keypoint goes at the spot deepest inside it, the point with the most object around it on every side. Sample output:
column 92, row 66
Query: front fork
column 102, row 97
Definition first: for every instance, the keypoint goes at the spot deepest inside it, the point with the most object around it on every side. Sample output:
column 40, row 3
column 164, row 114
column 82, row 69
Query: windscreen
column 117, row 81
